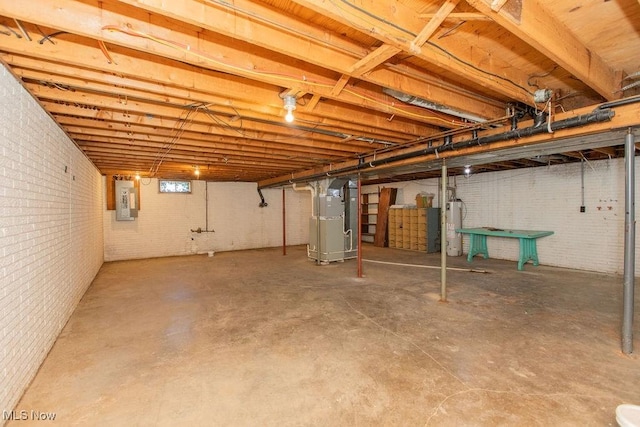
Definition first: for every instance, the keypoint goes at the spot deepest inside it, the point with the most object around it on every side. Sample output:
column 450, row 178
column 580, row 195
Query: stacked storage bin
column 412, row 228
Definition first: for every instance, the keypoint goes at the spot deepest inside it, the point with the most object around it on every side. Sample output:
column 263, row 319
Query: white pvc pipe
column 307, row 188
column 434, row 267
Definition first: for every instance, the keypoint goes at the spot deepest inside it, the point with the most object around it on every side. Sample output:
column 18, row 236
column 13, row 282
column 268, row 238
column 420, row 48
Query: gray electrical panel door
column 126, row 201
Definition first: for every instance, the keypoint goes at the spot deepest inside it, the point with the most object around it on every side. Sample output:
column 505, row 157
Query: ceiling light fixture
column 289, row 105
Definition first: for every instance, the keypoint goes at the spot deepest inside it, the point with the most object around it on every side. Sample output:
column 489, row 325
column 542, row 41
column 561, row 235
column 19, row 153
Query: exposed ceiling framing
column 161, row 88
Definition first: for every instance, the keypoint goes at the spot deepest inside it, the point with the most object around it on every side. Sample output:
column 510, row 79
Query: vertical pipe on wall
column 629, row 244
column 284, row 223
column 443, row 234
column 206, row 206
column 318, row 235
column 359, row 228
column 582, row 182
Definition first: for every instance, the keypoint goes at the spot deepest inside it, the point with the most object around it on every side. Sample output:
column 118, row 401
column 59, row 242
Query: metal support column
column 629, row 244
column 359, row 228
column 443, row 234
column 284, row 223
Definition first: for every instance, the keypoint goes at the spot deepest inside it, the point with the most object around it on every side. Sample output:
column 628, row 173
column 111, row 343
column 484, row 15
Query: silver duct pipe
column 420, row 102
column 629, row 244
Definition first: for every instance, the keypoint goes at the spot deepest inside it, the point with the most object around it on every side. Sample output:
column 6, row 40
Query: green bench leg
column 528, row 251
column 477, row 245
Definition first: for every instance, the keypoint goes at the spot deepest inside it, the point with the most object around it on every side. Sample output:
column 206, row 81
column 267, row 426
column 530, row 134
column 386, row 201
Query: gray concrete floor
column 257, row 338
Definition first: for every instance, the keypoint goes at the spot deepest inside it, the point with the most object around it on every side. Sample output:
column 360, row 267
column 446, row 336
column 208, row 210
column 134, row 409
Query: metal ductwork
column 420, row 102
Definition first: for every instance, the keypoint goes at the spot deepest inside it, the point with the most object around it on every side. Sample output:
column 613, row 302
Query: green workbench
column 528, row 250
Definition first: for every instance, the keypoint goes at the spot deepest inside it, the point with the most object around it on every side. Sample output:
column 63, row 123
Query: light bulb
column 137, row 177
column 197, row 172
column 289, row 116
column 289, row 105
column 467, row 170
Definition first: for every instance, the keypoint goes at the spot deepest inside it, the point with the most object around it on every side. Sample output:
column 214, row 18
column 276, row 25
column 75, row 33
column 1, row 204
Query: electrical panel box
column 126, row 201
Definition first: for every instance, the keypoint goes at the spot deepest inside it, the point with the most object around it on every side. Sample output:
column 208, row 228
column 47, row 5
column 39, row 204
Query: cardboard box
column 424, row 200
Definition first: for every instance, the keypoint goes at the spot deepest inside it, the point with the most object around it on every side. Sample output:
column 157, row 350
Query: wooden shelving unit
column 369, row 215
column 374, row 218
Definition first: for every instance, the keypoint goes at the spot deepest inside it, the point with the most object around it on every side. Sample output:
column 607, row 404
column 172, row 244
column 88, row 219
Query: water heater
column 453, row 221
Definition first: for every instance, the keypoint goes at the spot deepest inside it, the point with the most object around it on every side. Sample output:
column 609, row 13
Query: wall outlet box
column 583, row 209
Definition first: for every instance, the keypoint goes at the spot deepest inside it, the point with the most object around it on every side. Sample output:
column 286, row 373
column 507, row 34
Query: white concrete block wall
column 241, row 224
column 162, row 227
column 165, row 221
column 546, row 198
column 50, row 235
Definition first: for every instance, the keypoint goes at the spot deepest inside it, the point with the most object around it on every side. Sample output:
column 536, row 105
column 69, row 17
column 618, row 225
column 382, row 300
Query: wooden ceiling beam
column 110, row 166
column 435, row 22
column 625, row 117
column 397, row 25
column 340, row 84
column 386, row 51
column 225, row 106
column 167, row 128
column 260, row 25
column 121, row 141
column 179, row 113
column 127, row 119
column 311, row 104
column 574, row 154
column 138, row 152
column 147, row 159
column 184, row 144
column 181, row 81
column 138, row 30
column 373, row 59
column 460, row 16
column 198, row 139
column 609, row 151
column 541, row 30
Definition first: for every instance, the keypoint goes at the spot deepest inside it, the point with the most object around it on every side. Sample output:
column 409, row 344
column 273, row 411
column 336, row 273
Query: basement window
column 172, row 186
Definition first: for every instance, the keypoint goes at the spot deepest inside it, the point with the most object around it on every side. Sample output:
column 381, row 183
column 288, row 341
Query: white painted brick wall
column 408, row 190
column 165, row 220
column 547, row 198
column 51, row 244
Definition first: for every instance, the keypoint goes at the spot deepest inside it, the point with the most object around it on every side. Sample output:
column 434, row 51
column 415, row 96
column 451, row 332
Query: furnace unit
column 334, row 223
